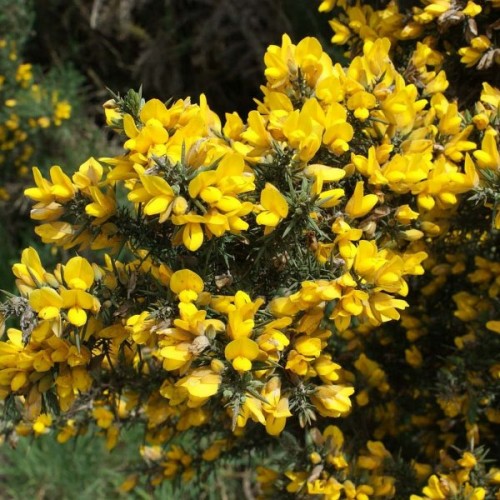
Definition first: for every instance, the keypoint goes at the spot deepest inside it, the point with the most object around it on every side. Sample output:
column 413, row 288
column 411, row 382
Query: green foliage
column 83, row 469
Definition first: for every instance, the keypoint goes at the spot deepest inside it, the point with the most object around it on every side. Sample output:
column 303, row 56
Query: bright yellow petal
column 192, row 236
column 77, row 316
column 78, row 273
column 242, row 364
column 272, row 200
column 268, row 219
column 129, row 126
column 45, row 297
column 186, row 280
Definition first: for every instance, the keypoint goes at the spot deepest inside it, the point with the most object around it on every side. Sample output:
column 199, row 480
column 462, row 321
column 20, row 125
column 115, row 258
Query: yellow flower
column 67, row 432
column 276, row 59
column 311, row 60
column 152, row 134
column 61, row 189
column 471, row 55
column 438, row 84
column 274, row 208
column 338, row 132
column 256, row 133
column 332, row 400
column 200, row 384
column 154, row 109
column 79, row 276
column 62, row 112
column 404, row 214
column 103, row 206
column 361, row 103
column 435, row 490
column 30, row 272
column 276, row 409
column 156, row 193
column 493, row 326
column 44, row 122
column 103, row 417
column 342, row 32
column 242, row 351
column 488, row 156
column 402, row 105
column 187, row 284
column 191, row 233
column 359, row 204
column 24, row 73
column 413, row 356
column 41, row 424
column 490, row 95
column 303, row 129
column 297, row 363
column 308, row 346
column 472, row 9
column 272, row 339
column 89, row 174
column 46, row 302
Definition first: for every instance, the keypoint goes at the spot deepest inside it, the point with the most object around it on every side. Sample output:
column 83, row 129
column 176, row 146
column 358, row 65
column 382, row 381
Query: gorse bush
column 305, row 301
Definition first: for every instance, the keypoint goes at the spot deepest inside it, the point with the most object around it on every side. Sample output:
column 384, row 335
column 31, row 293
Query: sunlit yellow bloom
column 338, row 132
column 191, row 234
column 103, row 206
column 157, row 195
column 62, row 111
column 361, row 103
column 242, row 351
column 274, row 208
column 200, row 384
column 60, row 189
column 187, row 284
column 488, row 156
column 303, row 129
column 276, row 409
column 256, row 133
column 332, row 400
column 490, row 95
column 103, row 417
column 323, row 174
column 46, row 302
column 342, row 32
column 437, row 84
column 30, row 272
column 88, row 174
column 151, row 134
column 478, row 46
column 360, row 204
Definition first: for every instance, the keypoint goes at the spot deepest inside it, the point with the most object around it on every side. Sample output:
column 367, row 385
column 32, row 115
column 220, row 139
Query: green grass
column 43, row 469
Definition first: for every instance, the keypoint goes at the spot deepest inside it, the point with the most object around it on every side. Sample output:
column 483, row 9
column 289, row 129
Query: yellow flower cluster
column 457, row 481
column 256, row 271
column 442, row 28
column 333, row 477
column 28, row 108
